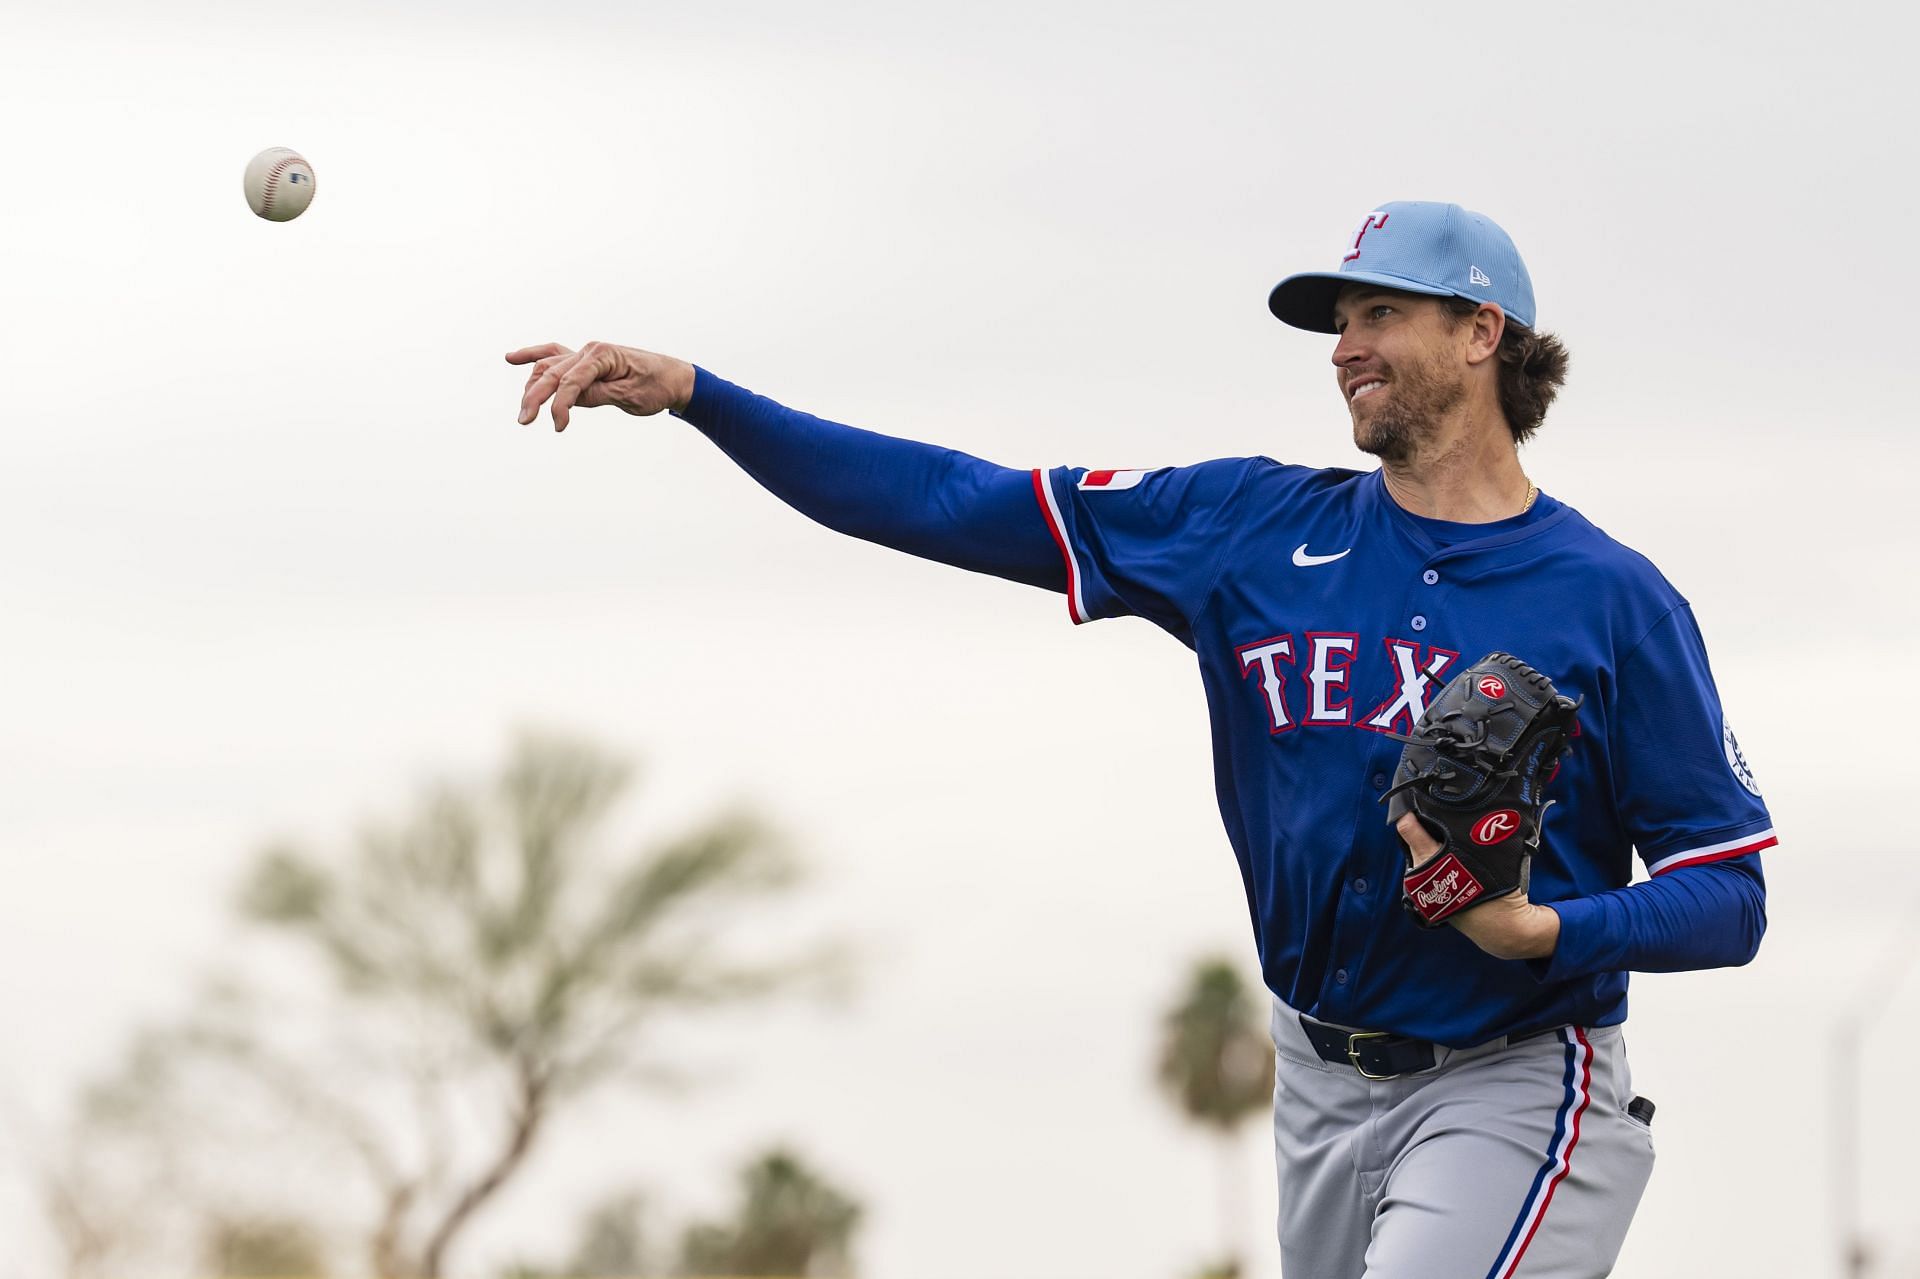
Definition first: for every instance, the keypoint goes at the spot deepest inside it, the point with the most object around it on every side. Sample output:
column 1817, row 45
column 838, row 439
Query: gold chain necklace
column 1532, row 493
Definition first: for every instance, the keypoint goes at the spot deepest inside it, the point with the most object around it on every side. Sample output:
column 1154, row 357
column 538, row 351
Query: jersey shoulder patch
column 1737, row 760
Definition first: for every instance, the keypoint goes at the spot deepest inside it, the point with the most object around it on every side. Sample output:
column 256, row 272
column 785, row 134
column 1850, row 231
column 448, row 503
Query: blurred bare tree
column 481, row 964
column 1216, row 1062
column 98, row 1217
column 107, row 1181
column 790, row 1221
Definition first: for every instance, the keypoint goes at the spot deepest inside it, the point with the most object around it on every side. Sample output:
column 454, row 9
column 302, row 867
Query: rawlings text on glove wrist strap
column 1441, row 887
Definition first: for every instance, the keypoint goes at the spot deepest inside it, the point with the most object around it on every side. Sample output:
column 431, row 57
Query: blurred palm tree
column 1216, row 1062
column 483, row 963
column 790, row 1222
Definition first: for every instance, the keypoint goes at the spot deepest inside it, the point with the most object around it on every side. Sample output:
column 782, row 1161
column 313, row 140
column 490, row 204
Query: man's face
column 1401, row 367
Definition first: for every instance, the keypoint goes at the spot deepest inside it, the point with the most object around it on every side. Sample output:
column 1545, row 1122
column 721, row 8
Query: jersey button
column 1419, row 622
column 1360, row 884
column 1379, row 781
column 1430, row 577
column 1340, row 976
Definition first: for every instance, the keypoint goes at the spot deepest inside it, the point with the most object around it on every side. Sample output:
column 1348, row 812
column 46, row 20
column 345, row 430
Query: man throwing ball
column 1448, row 713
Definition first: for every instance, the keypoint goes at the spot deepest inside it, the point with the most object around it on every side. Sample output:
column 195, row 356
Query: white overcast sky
column 278, row 551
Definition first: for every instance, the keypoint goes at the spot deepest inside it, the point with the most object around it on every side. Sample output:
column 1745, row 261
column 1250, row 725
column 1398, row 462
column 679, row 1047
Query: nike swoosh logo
column 1304, row 560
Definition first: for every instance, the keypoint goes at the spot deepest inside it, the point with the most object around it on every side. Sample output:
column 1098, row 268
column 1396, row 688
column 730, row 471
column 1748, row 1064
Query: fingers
column 582, row 378
column 1418, row 839
column 579, row 373
column 545, row 358
column 544, row 382
column 528, row 354
column 539, row 370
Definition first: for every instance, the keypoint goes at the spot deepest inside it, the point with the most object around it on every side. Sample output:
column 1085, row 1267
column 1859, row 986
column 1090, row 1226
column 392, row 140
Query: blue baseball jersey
column 1325, row 616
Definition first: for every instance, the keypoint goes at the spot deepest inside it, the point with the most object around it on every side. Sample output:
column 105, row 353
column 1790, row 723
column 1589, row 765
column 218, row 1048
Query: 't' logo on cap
column 1372, row 220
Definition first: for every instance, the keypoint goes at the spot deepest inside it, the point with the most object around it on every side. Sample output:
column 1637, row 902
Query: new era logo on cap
column 1441, row 250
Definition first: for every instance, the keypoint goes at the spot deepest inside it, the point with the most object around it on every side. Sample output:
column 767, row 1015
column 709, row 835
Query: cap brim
column 1306, row 301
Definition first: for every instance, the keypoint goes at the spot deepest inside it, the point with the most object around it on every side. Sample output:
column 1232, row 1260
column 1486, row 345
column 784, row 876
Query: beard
column 1416, row 399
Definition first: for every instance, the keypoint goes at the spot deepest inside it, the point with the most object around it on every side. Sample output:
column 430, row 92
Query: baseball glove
column 1473, row 771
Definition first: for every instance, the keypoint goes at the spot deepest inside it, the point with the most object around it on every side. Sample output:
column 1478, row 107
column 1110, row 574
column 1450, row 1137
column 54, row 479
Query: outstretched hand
column 1509, row 927
column 639, row 382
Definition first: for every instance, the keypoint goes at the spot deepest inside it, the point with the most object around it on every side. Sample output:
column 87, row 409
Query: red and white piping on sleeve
column 1713, row 852
column 1050, row 508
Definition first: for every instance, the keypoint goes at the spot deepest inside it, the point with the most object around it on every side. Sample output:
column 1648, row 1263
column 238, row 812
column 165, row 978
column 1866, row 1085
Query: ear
column 1489, row 325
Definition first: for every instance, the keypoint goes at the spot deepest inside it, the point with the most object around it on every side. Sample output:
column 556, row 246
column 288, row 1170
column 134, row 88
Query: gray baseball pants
column 1501, row 1161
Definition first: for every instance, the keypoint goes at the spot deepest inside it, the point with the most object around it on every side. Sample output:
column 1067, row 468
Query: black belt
column 1378, row 1054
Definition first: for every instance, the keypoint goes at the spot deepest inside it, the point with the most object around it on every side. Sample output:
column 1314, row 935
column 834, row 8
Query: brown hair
column 1533, row 367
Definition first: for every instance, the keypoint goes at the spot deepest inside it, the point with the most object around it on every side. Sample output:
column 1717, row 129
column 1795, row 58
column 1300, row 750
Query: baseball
column 279, row 184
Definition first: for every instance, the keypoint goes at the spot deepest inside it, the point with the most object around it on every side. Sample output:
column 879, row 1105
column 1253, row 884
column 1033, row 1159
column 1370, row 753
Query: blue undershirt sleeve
column 1707, row 916
column 933, row 502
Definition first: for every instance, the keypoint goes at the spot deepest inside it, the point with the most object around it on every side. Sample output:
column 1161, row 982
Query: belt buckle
column 1353, row 1054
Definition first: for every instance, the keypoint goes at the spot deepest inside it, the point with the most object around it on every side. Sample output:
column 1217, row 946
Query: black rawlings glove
column 1473, row 771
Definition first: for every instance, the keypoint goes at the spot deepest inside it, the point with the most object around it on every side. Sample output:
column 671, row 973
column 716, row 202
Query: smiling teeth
column 1367, row 389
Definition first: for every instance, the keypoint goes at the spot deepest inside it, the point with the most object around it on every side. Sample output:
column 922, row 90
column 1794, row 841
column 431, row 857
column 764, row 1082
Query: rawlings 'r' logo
column 1490, row 686
column 1495, row 826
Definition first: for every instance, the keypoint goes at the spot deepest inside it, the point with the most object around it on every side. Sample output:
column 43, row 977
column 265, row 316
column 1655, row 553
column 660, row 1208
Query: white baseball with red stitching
column 279, row 184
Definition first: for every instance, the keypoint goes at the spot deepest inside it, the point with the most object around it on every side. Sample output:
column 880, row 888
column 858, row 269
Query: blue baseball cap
column 1417, row 247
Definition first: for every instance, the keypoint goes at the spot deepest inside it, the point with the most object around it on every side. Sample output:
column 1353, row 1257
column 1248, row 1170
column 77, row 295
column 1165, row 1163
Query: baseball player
column 1451, row 1100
